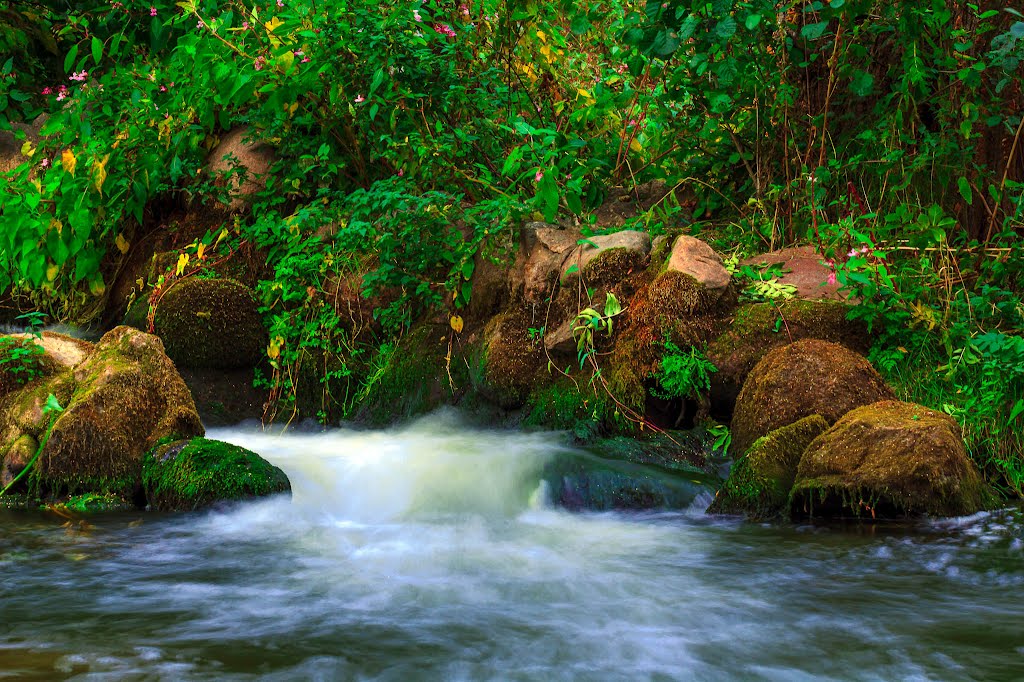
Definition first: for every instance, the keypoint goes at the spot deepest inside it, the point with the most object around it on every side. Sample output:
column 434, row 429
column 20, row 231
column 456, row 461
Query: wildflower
column 304, row 60
column 445, row 29
column 163, row 88
column 280, row 3
column 152, row 11
column 80, row 76
column 360, row 98
column 259, row 63
column 245, row 25
column 401, row 172
column 47, row 90
column 539, row 176
column 45, row 163
column 831, row 277
column 416, row 15
column 200, row 24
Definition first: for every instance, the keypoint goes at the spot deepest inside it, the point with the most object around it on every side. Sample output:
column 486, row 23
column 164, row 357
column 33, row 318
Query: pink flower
column 152, row 11
column 401, row 172
column 359, row 98
column 163, row 88
column 304, row 60
column 831, row 277
column 416, row 15
column 200, row 24
column 445, row 29
column 245, row 25
column 258, row 64
column 80, row 76
column 539, row 176
column 280, row 3
column 47, row 91
column 45, row 163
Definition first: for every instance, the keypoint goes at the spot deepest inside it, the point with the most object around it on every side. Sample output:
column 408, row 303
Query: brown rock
column 628, row 250
column 542, row 250
column 693, row 257
column 238, row 151
column 804, row 268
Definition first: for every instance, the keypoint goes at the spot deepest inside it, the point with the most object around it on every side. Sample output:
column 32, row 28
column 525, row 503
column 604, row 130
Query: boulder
column 119, row 400
column 246, row 161
column 186, row 475
column 804, row 268
column 693, row 257
column 889, row 459
column 607, row 259
column 210, row 323
column 757, row 328
column 799, row 380
column 10, row 146
column 542, row 250
column 512, row 365
column 759, row 482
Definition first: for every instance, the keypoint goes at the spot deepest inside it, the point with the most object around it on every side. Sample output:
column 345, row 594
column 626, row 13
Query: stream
column 431, row 552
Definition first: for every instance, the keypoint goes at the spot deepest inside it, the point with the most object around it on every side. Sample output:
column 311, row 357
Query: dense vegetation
column 411, row 136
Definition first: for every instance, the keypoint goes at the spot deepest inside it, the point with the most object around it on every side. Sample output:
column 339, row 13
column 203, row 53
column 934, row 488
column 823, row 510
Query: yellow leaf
column 456, row 323
column 27, row 149
column 51, row 272
column 68, row 160
column 99, row 168
column 121, row 243
column 272, row 25
column 274, row 349
column 286, row 60
column 182, row 262
column 201, row 251
column 57, row 225
column 635, row 145
column 223, row 234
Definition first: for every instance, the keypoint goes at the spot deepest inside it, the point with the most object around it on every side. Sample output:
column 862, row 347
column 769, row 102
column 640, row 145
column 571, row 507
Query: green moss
column 513, row 366
column 210, row 323
column 564, row 406
column 889, row 459
column 187, row 475
column 760, row 481
column 799, row 380
column 93, row 503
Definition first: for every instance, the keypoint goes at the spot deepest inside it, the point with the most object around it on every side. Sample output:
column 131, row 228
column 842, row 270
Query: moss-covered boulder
column 119, row 400
column 210, row 323
column 799, row 380
column 759, row 482
column 757, row 328
column 191, row 474
column 512, row 363
column 606, row 259
column 888, row 459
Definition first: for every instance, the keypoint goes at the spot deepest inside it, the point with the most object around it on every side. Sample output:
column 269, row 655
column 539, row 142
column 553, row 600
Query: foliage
column 590, row 322
column 683, row 374
column 53, row 408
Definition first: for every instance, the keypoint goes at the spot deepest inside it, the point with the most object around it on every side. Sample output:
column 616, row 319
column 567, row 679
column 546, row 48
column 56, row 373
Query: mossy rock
column 192, row 474
column 889, row 459
column 799, row 380
column 757, row 328
column 21, row 361
column 126, row 397
column 759, row 482
column 512, row 365
column 613, row 265
column 413, row 377
column 567, row 406
column 211, row 323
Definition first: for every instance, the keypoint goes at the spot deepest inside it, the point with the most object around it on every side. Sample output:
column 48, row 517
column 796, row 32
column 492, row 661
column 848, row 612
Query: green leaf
column 52, row 405
column 814, row 31
column 97, row 50
column 70, row 57
column 580, row 24
column 965, row 190
column 752, row 22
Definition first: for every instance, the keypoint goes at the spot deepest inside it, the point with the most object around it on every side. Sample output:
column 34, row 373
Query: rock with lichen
column 695, row 258
column 888, row 459
column 511, row 365
column 799, row 380
column 757, row 328
column 186, row 475
column 760, row 481
column 210, row 324
column 606, row 259
column 120, row 397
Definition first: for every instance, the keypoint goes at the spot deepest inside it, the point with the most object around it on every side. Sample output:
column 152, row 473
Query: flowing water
column 429, row 553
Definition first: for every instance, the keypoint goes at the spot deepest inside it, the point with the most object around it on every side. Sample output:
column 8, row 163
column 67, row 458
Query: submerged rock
column 889, row 459
column 661, row 472
column 799, row 380
column 760, row 481
column 191, row 474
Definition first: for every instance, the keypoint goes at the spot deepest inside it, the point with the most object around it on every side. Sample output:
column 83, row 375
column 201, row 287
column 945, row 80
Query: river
column 429, row 552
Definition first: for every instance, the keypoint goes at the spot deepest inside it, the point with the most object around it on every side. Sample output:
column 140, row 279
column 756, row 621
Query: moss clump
column 799, row 380
column 93, row 503
column 760, row 327
column 889, row 459
column 188, row 475
column 613, row 265
column 512, row 365
column 210, row 323
column 760, row 481
column 565, row 406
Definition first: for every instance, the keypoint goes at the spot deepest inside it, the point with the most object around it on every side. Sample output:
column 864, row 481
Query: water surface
column 429, row 553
